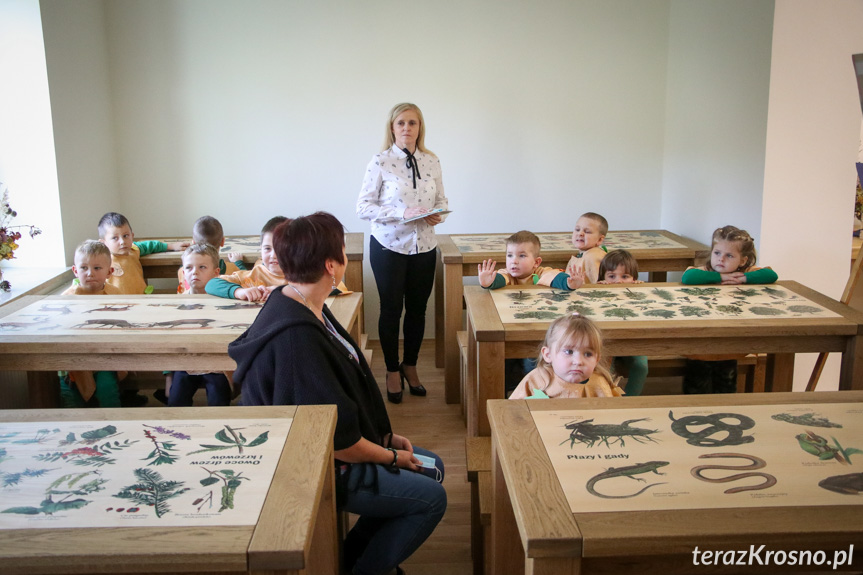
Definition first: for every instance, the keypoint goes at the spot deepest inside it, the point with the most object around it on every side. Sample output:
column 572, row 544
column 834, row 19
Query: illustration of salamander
column 629, row 471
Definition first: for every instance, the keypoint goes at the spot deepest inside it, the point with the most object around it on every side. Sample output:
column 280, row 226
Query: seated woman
column 296, row 353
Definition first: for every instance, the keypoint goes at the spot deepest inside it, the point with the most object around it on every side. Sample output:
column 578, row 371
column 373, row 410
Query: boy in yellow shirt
column 259, row 282
column 115, row 231
column 523, row 267
column 92, row 269
column 587, row 237
column 208, row 230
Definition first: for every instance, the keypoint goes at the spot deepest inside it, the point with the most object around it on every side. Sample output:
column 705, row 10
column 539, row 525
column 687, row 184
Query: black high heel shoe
column 415, row 390
column 396, row 397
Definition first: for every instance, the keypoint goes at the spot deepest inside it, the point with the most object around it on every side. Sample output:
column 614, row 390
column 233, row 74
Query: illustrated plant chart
column 651, row 303
column 111, row 474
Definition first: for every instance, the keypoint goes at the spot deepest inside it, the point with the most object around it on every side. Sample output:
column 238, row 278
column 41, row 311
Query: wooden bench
column 751, row 370
column 478, row 456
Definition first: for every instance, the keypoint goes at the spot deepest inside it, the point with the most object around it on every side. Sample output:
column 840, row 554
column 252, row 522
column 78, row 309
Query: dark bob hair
column 303, row 246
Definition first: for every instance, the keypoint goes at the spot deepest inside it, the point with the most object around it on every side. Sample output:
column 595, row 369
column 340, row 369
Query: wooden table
column 41, row 335
column 295, row 532
column 491, row 339
column 657, row 252
column 166, row 264
column 534, row 529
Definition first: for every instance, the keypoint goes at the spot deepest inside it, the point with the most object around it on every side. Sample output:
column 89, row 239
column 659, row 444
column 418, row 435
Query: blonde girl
column 569, row 363
column 732, row 261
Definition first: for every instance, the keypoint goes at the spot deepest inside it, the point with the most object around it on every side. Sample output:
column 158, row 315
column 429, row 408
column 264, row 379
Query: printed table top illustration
column 137, row 473
column 249, row 247
column 562, row 241
column 77, row 315
column 706, row 458
column 656, row 302
column 145, row 314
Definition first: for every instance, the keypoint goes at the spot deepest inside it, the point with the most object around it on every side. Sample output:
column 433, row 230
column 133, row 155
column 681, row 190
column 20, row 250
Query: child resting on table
column 620, row 267
column 200, row 266
column 569, row 363
column 259, row 282
column 208, row 230
column 90, row 388
column 587, row 237
column 732, row 262
column 115, row 231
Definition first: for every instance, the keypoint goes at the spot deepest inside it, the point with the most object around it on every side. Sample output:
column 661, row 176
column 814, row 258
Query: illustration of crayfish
column 589, row 433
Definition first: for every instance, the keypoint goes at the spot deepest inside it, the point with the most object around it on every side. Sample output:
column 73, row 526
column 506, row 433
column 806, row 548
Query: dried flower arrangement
column 9, row 235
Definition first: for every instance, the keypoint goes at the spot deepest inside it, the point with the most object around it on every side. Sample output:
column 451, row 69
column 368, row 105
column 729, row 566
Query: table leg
column 439, row 320
column 490, row 380
column 453, row 288
column 324, row 547
column 354, row 282
column 43, row 389
column 780, row 372
column 507, row 552
column 470, row 381
column 851, row 373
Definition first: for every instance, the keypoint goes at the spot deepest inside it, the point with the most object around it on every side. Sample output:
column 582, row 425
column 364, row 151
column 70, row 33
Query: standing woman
column 402, row 182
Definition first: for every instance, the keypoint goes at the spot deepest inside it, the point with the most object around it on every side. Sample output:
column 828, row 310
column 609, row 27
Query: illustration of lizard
column 589, row 433
column 806, row 419
column 629, row 471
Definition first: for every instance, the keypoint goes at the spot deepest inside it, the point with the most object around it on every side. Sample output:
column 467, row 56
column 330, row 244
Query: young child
column 92, row 269
column 255, row 284
column 208, row 230
column 259, row 282
column 82, row 388
column 620, row 267
column 200, row 266
column 116, row 233
column 587, row 237
column 732, row 262
column 569, row 363
column 523, row 267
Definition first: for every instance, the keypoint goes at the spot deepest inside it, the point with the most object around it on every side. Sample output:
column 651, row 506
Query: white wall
column 77, row 58
column 812, row 142
column 246, row 110
column 27, row 162
column 716, row 116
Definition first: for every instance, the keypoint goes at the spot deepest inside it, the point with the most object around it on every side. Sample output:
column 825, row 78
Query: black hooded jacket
column 287, row 357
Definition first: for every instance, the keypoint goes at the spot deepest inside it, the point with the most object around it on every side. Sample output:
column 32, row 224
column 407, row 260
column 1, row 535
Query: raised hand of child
column 249, row 294
column 733, row 278
column 486, row 272
column 178, row 246
column 575, row 276
column 235, row 256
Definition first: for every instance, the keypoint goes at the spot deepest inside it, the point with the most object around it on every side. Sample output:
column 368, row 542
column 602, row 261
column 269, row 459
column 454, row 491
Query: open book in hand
column 439, row 211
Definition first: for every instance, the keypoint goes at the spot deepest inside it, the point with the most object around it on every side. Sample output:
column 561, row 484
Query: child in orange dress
column 569, row 363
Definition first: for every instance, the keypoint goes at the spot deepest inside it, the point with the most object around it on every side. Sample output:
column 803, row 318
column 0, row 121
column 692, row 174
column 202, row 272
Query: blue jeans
column 184, row 386
column 397, row 514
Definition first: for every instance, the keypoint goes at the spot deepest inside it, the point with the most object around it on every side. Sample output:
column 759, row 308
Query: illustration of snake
column 715, row 425
column 757, row 463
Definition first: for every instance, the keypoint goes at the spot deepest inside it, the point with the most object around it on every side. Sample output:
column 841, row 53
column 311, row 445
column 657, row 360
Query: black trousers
column 404, row 282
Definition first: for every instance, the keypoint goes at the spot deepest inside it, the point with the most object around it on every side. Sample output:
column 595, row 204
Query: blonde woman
column 402, row 182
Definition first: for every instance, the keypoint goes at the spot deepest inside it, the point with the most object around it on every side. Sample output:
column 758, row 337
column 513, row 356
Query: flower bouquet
column 9, row 235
